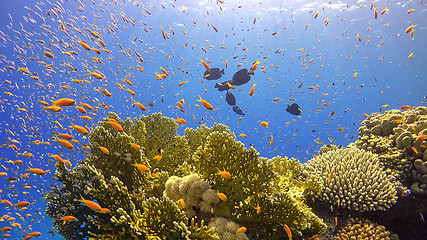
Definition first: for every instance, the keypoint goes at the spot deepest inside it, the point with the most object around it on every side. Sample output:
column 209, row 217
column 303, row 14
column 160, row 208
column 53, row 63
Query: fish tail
column 222, row 71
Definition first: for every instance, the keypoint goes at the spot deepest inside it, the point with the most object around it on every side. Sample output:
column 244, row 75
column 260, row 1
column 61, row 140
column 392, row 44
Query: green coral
column 353, row 178
column 152, row 205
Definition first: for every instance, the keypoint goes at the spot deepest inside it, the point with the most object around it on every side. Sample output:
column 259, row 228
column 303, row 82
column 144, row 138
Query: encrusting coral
column 353, row 178
column 141, row 180
column 398, row 137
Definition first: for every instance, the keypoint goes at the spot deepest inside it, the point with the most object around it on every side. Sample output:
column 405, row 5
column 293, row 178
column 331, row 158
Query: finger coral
column 353, row 178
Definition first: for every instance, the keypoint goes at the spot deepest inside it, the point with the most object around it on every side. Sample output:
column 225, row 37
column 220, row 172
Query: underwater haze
column 284, row 77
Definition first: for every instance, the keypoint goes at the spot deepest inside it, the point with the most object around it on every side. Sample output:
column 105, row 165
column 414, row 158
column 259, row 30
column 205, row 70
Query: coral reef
column 398, row 137
column 141, row 180
column 353, row 178
column 356, row 228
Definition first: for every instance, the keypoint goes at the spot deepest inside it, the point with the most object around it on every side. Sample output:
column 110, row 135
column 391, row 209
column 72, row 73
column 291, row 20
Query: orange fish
column 182, row 83
column 406, row 107
column 180, row 121
column 142, row 107
column 84, row 45
column 142, row 167
column 288, row 231
column 224, row 174
column 411, row 55
column 375, row 13
column 254, row 66
column 222, row 196
column 384, row 11
column 414, row 150
column 116, row 126
column 251, row 92
column 205, row 65
column 68, row 218
column 80, row 129
column 242, row 229
column 22, row 204
column 53, row 108
column 206, row 104
column 37, row 171
column 65, row 143
column 104, row 150
column 355, row 75
column 91, row 204
column 410, row 10
column 409, row 28
column 96, row 75
column 358, row 37
column 264, row 124
column 422, row 137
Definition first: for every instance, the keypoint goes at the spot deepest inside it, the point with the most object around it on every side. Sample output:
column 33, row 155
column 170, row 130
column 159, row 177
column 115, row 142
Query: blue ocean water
column 317, row 62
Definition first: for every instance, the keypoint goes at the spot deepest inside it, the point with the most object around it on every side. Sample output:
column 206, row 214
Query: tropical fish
column 229, row 97
column 206, row 104
column 237, row 110
column 91, row 204
column 293, row 109
column 213, row 74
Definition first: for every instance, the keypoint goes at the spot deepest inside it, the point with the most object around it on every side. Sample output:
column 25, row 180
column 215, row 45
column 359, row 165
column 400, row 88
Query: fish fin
column 222, row 71
column 216, row 85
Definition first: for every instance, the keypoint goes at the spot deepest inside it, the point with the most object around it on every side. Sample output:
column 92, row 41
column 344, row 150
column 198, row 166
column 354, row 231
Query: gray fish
column 237, row 110
column 229, row 97
column 239, row 78
column 294, row 109
column 213, row 74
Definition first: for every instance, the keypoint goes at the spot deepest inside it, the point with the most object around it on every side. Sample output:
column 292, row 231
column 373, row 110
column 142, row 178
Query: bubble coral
column 354, row 178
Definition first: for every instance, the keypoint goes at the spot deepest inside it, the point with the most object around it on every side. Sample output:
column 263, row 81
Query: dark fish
column 229, row 97
column 240, row 77
column 213, row 74
column 237, row 110
column 222, row 86
column 294, row 109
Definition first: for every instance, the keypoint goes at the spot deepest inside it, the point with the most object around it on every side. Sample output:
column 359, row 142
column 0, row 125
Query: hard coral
column 398, row 139
column 353, row 178
column 362, row 229
column 127, row 173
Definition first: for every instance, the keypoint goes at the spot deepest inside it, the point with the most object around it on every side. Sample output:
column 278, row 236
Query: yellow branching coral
column 126, row 175
column 353, row 178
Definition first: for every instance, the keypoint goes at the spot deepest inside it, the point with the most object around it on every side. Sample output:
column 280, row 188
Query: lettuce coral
column 353, row 178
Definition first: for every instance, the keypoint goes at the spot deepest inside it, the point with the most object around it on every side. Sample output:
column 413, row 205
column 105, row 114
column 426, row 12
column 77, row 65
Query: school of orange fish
column 69, row 63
